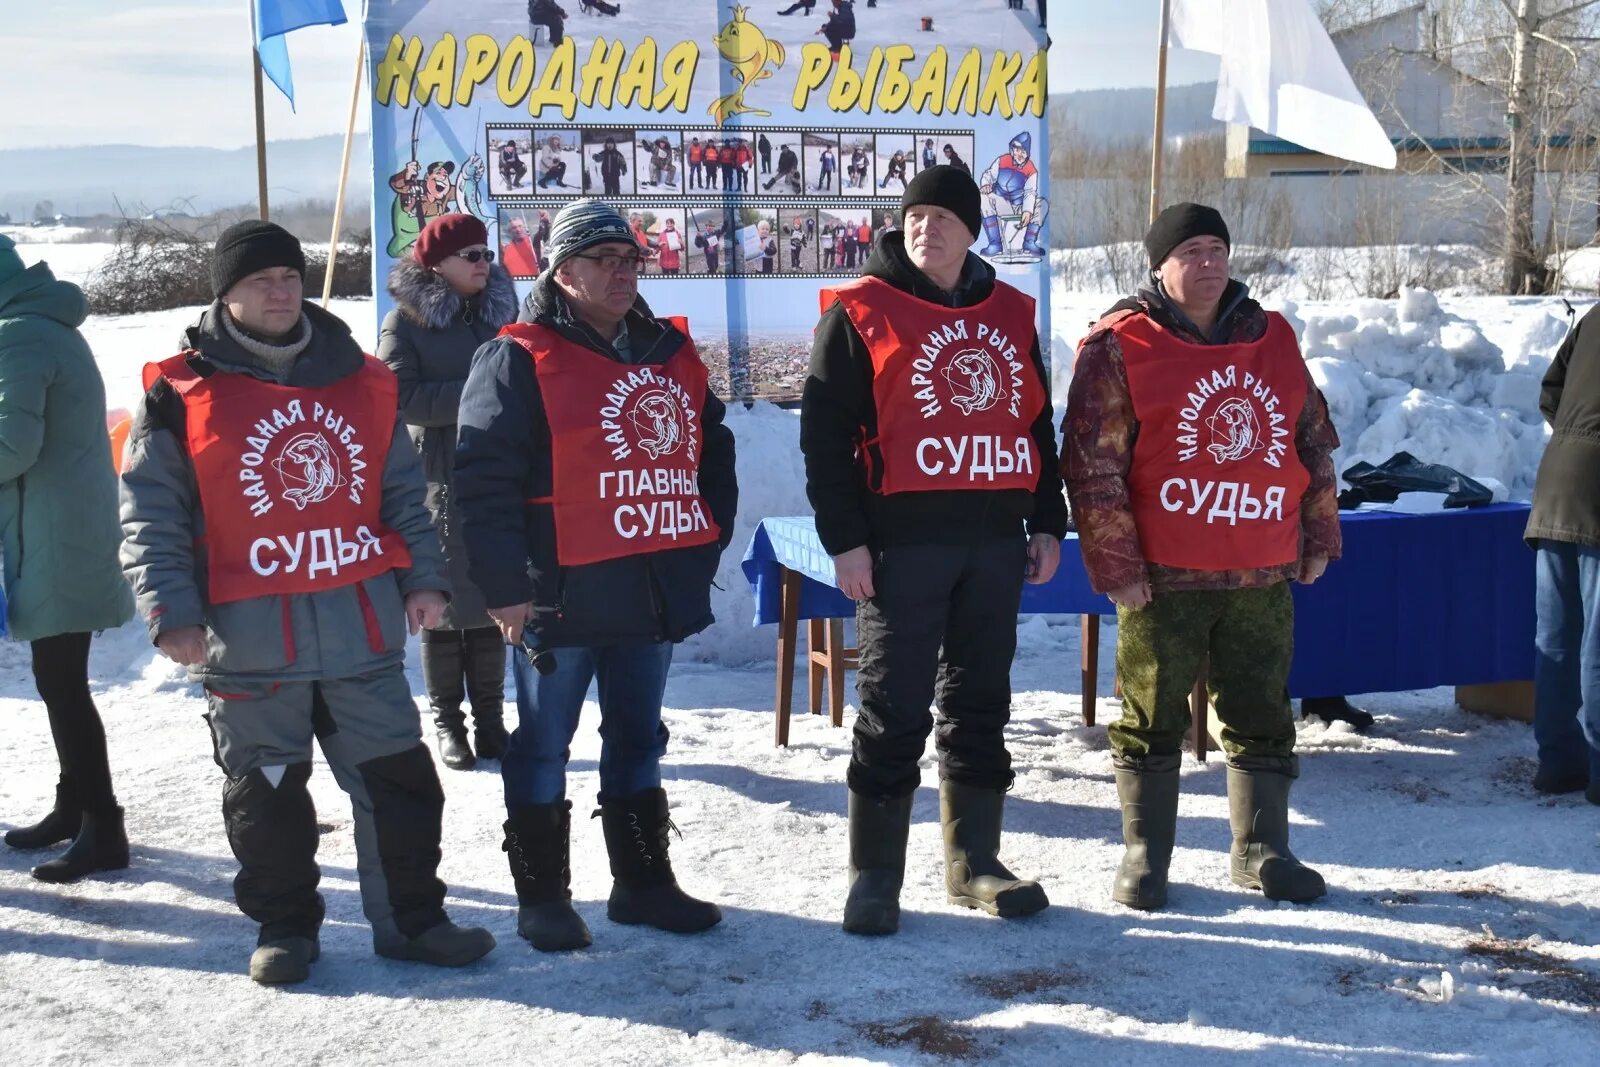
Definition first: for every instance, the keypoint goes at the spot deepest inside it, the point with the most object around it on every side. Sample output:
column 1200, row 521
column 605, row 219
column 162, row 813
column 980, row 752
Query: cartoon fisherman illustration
column 1010, row 187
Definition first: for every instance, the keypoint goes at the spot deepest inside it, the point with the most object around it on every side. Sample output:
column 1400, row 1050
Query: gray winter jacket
column 338, row 633
column 428, row 341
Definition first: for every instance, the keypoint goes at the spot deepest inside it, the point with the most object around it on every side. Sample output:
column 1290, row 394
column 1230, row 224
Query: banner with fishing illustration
column 759, row 152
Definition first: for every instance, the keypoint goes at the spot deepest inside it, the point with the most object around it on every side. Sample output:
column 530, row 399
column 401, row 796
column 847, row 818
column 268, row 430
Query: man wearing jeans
column 596, row 492
column 1565, row 528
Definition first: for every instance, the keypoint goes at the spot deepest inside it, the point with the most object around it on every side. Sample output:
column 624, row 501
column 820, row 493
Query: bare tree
column 1536, row 60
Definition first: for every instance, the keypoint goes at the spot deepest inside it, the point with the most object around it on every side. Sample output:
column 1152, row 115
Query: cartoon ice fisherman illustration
column 749, row 51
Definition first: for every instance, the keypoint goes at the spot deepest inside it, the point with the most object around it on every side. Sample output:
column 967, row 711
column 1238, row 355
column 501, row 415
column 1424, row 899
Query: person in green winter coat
column 59, row 532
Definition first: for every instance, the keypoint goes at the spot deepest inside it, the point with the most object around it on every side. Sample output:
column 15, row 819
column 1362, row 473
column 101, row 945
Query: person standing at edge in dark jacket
column 450, row 297
column 58, row 511
column 279, row 546
column 1190, row 580
column 1565, row 529
column 928, row 539
column 595, row 533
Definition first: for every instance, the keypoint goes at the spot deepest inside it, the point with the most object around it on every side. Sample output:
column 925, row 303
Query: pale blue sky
column 171, row 72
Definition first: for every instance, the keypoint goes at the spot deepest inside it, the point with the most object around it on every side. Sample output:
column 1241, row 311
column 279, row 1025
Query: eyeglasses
column 473, row 255
column 611, row 262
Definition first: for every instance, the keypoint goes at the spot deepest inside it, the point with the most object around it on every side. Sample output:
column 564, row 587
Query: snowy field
column 1461, row 926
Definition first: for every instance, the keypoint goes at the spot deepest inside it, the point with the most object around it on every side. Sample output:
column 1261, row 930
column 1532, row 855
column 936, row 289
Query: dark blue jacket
column 503, row 460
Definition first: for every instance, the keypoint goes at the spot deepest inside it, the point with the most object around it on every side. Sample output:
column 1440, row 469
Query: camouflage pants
column 1248, row 635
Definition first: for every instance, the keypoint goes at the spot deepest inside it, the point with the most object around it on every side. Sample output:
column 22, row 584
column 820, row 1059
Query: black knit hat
column 249, row 246
column 950, row 188
column 1179, row 223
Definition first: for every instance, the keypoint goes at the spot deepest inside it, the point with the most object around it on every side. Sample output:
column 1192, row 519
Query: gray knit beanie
column 583, row 224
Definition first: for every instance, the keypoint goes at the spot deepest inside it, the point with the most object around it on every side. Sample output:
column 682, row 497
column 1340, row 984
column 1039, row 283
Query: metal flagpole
column 344, row 167
column 1161, row 113
column 261, row 118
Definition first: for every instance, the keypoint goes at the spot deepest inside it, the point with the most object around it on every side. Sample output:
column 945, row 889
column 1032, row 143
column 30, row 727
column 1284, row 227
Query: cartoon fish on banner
column 749, row 51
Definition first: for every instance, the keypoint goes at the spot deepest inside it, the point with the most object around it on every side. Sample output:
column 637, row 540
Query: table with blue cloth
column 1417, row 601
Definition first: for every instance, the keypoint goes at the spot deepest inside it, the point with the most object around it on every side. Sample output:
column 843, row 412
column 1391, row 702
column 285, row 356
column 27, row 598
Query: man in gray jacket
column 279, row 546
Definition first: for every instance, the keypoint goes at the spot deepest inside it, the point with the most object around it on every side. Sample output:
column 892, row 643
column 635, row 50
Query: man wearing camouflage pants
column 1198, row 462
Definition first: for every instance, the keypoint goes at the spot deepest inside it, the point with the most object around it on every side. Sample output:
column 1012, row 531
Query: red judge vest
column 625, row 447
column 291, row 478
column 955, row 388
column 1216, row 480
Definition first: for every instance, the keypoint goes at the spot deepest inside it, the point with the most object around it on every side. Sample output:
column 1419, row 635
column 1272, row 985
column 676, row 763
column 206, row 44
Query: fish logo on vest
column 657, row 423
column 309, row 470
column 975, row 381
column 1235, row 431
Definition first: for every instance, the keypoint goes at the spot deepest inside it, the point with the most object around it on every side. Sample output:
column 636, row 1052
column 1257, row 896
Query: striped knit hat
column 583, row 224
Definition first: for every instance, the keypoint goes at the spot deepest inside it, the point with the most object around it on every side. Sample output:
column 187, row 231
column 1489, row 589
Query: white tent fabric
column 1281, row 74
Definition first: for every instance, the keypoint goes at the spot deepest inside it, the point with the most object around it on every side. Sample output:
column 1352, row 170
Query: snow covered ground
column 1462, row 923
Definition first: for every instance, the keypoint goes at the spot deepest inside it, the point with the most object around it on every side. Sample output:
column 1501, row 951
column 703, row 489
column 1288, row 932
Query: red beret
column 447, row 235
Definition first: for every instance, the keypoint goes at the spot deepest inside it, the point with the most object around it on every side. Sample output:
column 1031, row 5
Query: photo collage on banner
column 756, row 163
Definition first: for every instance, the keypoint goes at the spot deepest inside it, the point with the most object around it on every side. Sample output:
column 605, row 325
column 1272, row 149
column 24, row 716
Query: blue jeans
column 1566, row 674
column 632, row 679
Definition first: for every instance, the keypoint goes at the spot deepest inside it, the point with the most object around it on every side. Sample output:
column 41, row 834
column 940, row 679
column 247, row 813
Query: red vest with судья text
column 625, row 443
column 1216, row 479
column 949, row 383
column 290, row 478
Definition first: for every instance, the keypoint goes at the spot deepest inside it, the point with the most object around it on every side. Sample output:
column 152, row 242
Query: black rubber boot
column 1258, row 809
column 442, row 667
column 643, row 889
column 101, row 845
column 284, row 960
column 1147, row 789
column 879, row 828
column 1336, row 709
column 61, row 824
column 538, row 847
column 1543, row 782
column 442, row 945
column 486, row 689
column 973, row 874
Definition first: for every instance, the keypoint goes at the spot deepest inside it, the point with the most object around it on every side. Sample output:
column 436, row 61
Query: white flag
column 1281, row 73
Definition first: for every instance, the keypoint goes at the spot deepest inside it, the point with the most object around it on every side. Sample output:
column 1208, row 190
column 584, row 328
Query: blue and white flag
column 274, row 19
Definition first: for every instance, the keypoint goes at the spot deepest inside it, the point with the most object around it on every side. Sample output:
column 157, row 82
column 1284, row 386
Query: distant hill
column 1106, row 115
column 89, row 180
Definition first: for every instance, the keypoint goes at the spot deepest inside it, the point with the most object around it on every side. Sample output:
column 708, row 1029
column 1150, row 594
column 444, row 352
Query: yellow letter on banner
column 516, row 72
column 395, row 71
column 896, row 85
column 1030, row 98
column 846, row 88
column 815, row 63
column 557, row 84
column 438, row 73
column 600, row 73
column 996, row 97
column 964, row 87
column 927, row 92
column 638, row 82
column 482, row 52
column 678, row 77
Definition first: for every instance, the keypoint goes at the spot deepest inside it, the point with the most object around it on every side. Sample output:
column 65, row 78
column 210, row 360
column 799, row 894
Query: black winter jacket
column 837, row 413
column 1566, row 495
column 503, row 460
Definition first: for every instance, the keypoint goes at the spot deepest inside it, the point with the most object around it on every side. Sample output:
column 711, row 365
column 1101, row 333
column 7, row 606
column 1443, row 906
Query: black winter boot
column 1147, row 789
column 101, row 845
column 61, row 824
column 973, row 874
column 284, row 960
column 643, row 889
column 442, row 945
column 442, row 667
column 1336, row 709
column 538, row 847
column 486, row 688
column 1258, row 809
column 879, row 828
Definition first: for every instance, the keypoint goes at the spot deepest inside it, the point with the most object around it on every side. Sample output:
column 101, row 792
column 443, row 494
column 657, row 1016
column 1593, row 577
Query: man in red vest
column 930, row 460
column 280, row 548
column 595, row 484
column 1198, row 459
